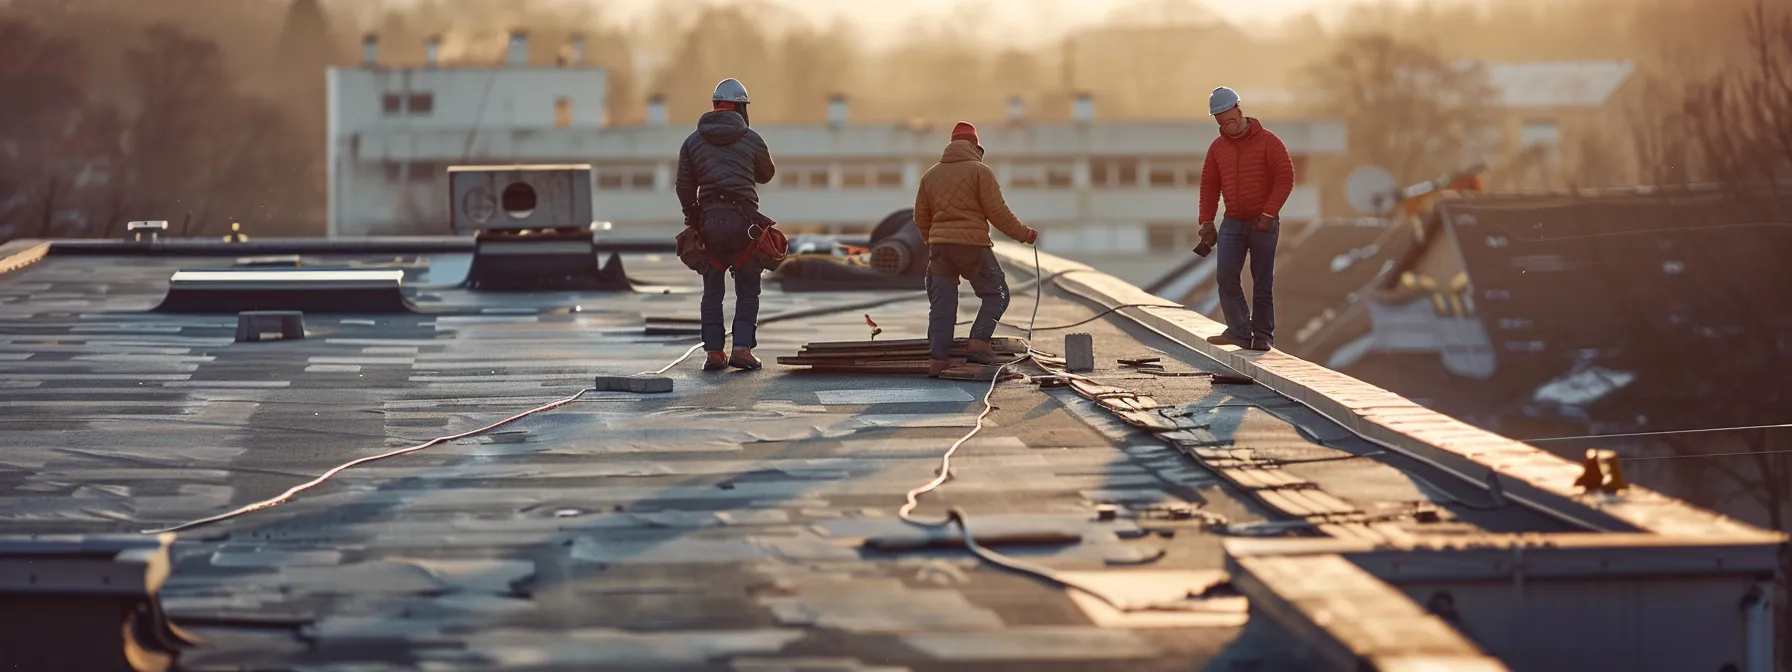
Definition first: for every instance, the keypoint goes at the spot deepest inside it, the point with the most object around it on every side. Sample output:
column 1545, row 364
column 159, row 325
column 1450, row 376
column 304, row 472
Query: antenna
column 1371, row 189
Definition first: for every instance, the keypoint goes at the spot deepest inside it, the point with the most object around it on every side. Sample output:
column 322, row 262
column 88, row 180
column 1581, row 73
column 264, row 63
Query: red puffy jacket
column 1254, row 172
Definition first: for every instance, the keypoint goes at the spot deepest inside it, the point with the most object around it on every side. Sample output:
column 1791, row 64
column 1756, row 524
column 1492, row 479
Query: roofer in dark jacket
column 1250, row 167
column 958, row 201
column 719, row 168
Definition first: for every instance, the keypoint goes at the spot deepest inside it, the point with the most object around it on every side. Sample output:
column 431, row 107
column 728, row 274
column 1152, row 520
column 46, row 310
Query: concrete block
column 1079, row 353
column 636, row 384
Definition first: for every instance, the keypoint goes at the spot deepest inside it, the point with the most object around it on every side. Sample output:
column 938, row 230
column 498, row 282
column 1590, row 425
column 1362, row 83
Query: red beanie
column 964, row 131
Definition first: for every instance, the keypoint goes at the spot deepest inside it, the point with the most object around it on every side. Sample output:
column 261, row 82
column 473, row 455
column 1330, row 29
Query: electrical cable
column 1661, row 433
column 294, row 490
column 956, row 516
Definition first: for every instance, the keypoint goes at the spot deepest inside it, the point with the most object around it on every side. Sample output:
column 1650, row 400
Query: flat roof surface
column 716, row 527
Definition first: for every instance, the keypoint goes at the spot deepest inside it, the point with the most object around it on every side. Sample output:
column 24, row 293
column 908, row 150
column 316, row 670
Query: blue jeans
column 945, row 265
column 725, row 232
column 1257, row 320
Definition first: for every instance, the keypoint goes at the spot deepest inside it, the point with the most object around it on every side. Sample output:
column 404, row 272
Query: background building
column 1096, row 186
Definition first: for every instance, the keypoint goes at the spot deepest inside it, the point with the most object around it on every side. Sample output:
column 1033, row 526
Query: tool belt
column 766, row 245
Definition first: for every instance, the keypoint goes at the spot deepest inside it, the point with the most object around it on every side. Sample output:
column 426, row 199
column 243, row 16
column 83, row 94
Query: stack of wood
column 908, row 357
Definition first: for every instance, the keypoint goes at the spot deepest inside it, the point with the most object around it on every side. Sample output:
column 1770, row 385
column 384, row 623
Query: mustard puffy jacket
column 959, row 198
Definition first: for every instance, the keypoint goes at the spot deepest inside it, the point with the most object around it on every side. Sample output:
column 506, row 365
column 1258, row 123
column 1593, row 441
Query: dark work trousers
column 947, row 263
column 1239, row 238
column 724, row 232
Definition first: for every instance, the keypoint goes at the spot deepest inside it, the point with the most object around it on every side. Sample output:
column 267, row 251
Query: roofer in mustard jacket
column 1250, row 167
column 958, row 200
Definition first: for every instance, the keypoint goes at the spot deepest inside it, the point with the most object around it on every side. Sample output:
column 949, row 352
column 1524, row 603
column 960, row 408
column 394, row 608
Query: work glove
column 1032, row 237
column 1265, row 222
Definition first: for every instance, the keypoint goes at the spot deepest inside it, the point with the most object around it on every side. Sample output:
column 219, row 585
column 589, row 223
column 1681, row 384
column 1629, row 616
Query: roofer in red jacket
column 1250, row 167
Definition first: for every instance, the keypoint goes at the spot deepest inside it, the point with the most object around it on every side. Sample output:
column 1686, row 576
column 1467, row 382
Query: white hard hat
column 1221, row 100
column 731, row 90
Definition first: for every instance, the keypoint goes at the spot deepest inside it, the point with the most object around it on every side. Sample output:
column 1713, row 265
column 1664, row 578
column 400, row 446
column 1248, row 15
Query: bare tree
column 1408, row 110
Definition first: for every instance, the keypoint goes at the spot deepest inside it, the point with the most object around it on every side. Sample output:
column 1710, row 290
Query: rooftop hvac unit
column 520, row 197
column 532, row 228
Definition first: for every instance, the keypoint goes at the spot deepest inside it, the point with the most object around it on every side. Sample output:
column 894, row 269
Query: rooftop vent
column 1083, row 108
column 370, row 50
column 432, row 51
column 145, row 232
column 1017, row 110
column 318, row 291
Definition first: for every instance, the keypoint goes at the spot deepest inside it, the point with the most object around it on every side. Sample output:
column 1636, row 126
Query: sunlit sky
column 1024, row 19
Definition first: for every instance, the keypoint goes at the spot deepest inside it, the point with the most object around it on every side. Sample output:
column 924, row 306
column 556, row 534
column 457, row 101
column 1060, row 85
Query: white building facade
column 1093, row 186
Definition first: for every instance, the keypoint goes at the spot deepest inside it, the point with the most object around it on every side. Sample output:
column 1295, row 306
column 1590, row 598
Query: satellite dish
column 1371, row 190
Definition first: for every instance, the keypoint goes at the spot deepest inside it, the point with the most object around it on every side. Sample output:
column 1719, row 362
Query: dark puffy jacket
column 723, row 155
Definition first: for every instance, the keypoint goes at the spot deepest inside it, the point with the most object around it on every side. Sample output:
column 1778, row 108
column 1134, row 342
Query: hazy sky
column 1020, row 19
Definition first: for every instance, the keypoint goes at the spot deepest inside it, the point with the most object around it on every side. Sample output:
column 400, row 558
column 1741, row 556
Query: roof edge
column 1516, row 470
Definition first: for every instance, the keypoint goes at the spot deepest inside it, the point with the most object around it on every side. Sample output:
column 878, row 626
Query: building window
column 1039, row 175
column 1161, row 177
column 865, row 176
column 392, row 104
column 563, row 113
column 800, row 176
column 426, row 173
column 1114, row 173
column 1025, row 176
column 1300, row 170
column 854, row 178
column 394, row 172
column 620, row 178
column 1173, row 174
column 422, row 103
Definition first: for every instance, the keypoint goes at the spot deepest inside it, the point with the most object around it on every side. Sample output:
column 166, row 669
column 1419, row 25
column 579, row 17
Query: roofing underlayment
column 725, row 525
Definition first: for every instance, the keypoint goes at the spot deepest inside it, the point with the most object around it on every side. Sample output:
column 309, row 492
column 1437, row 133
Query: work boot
column 1226, row 339
column 978, row 350
column 717, row 361
column 935, row 367
column 1262, row 345
column 743, row 359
